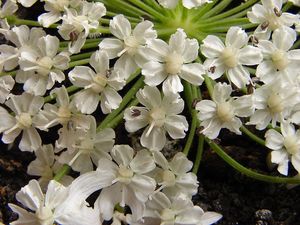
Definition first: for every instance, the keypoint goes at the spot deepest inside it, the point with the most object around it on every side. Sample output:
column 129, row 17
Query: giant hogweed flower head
column 143, row 42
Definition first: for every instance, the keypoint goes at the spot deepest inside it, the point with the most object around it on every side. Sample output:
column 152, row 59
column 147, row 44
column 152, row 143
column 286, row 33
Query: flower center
column 45, row 215
column 131, row 45
column 225, row 111
column 157, row 117
column 229, row 57
column 99, row 83
column 174, row 63
column 125, row 174
column 64, row 114
column 45, row 65
column 274, row 103
column 168, row 178
column 280, row 60
column 24, row 120
column 168, row 216
column 291, row 145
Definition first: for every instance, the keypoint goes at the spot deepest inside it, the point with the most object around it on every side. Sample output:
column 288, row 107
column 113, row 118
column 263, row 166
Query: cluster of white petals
column 148, row 71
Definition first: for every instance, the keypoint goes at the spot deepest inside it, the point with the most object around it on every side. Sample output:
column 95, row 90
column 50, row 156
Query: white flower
column 89, row 148
column 170, row 62
column 43, row 66
column 170, row 4
column 194, row 3
column 279, row 63
column 25, row 107
column 230, row 57
column 45, row 167
column 123, row 181
column 55, row 8
column 176, row 211
column 6, row 85
column 24, row 39
column 129, row 43
column 160, row 114
column 63, row 112
column 285, row 146
column 27, row 3
column 101, row 85
column 174, row 177
column 269, row 17
column 49, row 208
column 222, row 112
column 78, row 22
column 273, row 102
column 8, row 8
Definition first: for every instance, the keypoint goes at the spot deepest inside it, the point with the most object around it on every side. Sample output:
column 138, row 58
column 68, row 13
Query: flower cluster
column 147, row 67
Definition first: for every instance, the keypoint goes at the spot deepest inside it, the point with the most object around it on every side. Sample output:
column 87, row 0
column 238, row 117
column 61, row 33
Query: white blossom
column 231, row 57
column 43, row 66
column 223, row 111
column 285, row 147
column 178, row 211
column 45, row 166
column 8, row 8
column 270, row 17
column 128, row 43
column 49, row 208
column 160, row 114
column 170, row 62
column 24, row 107
column 170, row 4
column 78, row 22
column 280, row 63
column 273, row 103
column 99, row 85
column 174, row 177
column 55, row 9
column 88, row 149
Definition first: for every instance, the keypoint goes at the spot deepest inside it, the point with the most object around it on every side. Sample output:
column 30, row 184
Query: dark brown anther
column 277, row 12
column 194, row 103
column 254, row 40
column 264, row 25
column 135, row 112
column 108, row 73
column 250, row 89
column 73, row 36
column 212, row 69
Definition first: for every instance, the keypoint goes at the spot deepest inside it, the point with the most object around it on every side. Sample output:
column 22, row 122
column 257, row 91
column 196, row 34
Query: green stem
column 190, row 95
column 126, row 8
column 233, row 11
column 253, row 136
column 126, row 99
column 148, row 9
column 79, row 62
column 11, row 73
column 13, row 20
column 246, row 171
column 62, row 172
column 199, row 154
column 226, row 22
column 287, row 6
column 81, row 56
column 203, row 9
column 217, row 9
column 209, row 85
